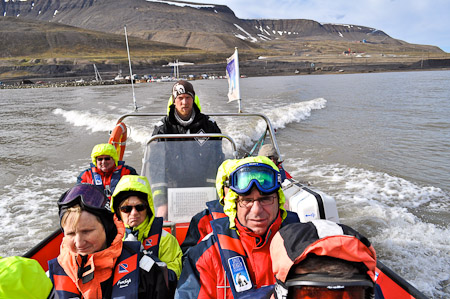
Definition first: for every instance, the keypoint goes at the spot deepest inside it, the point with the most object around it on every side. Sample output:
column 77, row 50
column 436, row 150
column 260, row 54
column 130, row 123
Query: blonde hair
column 72, row 216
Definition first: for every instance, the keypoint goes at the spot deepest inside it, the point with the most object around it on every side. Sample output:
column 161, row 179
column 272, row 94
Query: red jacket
column 108, row 181
column 203, row 274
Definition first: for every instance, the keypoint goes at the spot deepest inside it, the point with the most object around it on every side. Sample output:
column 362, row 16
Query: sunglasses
column 128, row 209
column 106, row 159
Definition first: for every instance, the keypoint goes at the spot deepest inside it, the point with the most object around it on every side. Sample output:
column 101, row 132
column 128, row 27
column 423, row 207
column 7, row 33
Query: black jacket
column 169, row 124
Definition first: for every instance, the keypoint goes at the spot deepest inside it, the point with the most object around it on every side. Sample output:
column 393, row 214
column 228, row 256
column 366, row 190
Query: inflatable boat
column 186, row 165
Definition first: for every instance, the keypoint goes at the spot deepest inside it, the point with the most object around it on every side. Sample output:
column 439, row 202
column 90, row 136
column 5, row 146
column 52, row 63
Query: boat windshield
column 182, row 173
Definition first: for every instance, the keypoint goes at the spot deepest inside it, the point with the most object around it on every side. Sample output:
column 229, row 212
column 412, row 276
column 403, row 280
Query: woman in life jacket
column 94, row 262
column 132, row 202
column 106, row 169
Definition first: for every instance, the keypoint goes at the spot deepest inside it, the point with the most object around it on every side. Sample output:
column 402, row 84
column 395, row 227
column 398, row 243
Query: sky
column 414, row 21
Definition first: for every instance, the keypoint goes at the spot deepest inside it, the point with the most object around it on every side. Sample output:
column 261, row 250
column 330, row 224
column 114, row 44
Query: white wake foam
column 92, row 122
column 35, row 213
column 247, row 131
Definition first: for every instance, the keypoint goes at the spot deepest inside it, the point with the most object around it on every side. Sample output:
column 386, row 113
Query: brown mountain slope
column 183, row 26
column 209, row 27
column 21, row 37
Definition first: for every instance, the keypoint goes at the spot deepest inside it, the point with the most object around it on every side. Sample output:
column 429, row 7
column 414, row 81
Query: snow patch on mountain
column 182, row 4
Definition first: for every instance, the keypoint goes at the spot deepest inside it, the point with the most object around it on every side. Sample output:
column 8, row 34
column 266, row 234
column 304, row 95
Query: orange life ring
column 118, row 138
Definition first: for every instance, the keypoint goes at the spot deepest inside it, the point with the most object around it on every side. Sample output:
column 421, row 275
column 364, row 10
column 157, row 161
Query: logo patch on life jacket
column 150, row 241
column 201, row 141
column 98, row 179
column 123, row 268
column 239, row 273
column 123, row 283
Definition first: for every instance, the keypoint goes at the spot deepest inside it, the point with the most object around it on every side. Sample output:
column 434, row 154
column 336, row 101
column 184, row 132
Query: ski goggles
column 326, row 287
column 263, row 176
column 87, row 196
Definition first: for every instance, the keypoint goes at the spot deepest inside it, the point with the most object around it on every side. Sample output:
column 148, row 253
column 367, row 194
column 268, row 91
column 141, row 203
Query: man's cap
column 268, row 150
column 183, row 87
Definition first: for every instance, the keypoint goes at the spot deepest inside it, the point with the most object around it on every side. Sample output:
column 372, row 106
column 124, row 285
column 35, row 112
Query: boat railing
column 262, row 116
column 191, row 136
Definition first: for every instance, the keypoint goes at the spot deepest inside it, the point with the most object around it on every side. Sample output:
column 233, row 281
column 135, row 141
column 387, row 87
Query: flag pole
column 131, row 72
column 238, row 75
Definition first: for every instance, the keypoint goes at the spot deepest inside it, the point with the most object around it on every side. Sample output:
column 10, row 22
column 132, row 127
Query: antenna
column 131, row 72
column 97, row 74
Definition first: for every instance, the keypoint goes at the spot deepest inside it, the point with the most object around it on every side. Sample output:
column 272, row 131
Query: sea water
column 378, row 143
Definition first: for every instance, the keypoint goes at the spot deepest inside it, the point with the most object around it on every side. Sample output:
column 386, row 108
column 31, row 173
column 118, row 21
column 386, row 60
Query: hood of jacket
column 104, row 149
column 22, row 277
column 294, row 242
column 230, row 199
column 139, row 184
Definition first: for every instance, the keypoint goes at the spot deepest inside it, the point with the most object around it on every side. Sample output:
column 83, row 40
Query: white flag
column 234, row 92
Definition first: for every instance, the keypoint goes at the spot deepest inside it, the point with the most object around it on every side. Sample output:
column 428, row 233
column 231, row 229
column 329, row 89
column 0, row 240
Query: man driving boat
column 184, row 117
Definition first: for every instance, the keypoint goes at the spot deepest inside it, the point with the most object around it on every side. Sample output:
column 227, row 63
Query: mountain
column 203, row 28
column 208, row 27
column 63, row 38
column 25, row 37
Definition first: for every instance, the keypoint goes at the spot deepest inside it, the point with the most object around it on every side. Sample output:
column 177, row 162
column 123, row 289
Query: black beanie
column 182, row 87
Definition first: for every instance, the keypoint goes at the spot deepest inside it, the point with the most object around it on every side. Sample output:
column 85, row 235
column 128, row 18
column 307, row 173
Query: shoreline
column 84, row 75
